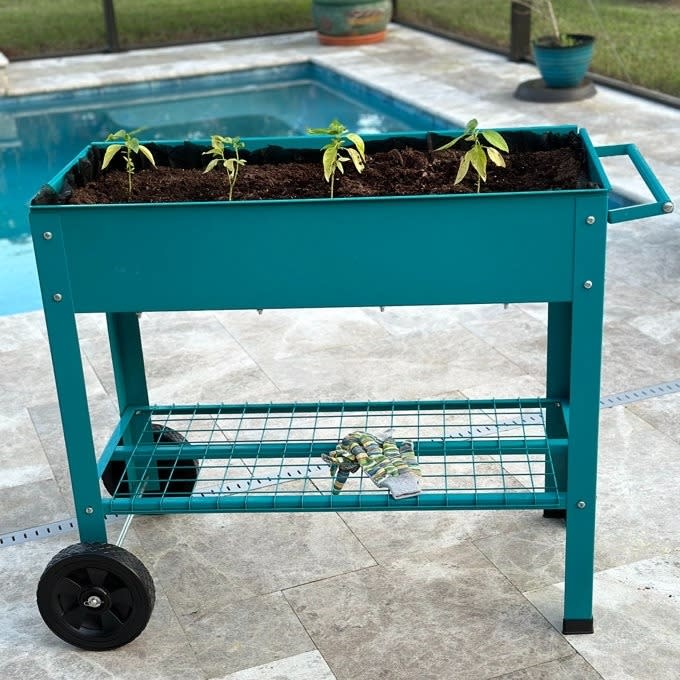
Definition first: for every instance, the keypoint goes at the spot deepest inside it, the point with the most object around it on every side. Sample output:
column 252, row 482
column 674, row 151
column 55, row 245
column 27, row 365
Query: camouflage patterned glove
column 342, row 465
column 382, row 462
column 407, row 482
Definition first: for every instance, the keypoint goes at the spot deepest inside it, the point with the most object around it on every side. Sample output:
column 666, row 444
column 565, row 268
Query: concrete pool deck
column 477, row 594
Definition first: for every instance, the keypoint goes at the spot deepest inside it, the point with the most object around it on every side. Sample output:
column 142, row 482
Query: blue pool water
column 40, row 134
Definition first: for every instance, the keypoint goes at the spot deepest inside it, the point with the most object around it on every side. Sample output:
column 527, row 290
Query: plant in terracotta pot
column 351, row 22
column 562, row 58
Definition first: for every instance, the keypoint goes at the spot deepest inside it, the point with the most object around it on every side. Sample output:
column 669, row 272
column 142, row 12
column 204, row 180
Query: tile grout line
column 247, row 353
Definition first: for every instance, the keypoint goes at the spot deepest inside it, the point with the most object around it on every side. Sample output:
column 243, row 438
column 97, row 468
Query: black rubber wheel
column 96, row 596
column 176, row 478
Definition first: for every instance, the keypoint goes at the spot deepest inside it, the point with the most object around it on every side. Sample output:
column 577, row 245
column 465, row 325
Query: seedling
column 232, row 164
column 131, row 145
column 333, row 158
column 477, row 155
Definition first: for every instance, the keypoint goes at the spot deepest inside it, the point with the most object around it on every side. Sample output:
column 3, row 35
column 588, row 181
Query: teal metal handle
column 662, row 205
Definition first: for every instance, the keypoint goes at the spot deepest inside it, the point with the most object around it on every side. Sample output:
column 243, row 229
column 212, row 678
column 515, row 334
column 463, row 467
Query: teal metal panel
column 321, row 253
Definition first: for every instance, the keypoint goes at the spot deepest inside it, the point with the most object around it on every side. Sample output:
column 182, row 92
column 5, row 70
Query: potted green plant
column 351, row 22
column 562, row 58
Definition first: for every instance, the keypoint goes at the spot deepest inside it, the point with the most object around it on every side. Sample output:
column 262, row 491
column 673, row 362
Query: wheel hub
column 95, row 599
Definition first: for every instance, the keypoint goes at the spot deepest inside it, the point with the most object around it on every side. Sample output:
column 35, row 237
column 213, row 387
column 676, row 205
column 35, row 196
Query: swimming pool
column 39, row 134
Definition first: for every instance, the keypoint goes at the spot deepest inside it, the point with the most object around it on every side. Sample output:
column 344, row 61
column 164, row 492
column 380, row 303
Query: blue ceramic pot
column 564, row 66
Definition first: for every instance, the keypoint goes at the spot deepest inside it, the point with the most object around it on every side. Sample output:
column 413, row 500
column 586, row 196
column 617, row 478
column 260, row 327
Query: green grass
column 41, row 27
column 637, row 40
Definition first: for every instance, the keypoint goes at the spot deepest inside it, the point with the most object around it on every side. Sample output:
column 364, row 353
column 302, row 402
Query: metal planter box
column 474, row 248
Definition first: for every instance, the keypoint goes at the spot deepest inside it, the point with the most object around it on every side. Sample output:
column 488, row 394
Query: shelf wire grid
column 467, row 452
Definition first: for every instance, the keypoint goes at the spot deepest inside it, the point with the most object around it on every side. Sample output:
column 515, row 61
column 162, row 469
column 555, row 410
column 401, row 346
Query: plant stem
column 129, row 172
column 553, row 20
column 332, row 183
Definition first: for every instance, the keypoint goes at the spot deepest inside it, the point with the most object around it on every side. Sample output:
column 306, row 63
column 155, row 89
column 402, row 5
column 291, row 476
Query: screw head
column 47, row 235
column 590, row 219
column 57, row 297
column 587, row 285
column 89, row 510
column 668, row 207
column 580, row 505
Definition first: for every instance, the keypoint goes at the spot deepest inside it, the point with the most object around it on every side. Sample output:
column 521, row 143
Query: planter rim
column 233, row 205
column 582, row 39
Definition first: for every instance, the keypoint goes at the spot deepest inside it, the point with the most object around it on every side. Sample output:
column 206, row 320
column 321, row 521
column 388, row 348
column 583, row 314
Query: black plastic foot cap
column 559, row 513
column 577, row 626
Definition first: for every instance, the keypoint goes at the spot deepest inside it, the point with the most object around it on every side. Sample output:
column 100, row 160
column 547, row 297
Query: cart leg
column 70, row 382
column 581, row 487
column 584, row 392
column 127, row 357
column 557, row 387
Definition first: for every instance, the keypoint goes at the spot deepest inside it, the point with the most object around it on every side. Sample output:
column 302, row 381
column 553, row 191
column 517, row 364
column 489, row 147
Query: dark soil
column 399, row 168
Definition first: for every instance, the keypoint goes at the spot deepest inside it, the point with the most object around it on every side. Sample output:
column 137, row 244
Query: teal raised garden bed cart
column 527, row 453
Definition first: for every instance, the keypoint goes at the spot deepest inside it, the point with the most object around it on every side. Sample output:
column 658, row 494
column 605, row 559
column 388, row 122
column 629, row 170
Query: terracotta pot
column 351, row 22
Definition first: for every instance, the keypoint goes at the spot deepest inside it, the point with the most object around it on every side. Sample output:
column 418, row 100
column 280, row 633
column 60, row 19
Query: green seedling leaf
column 110, row 152
column 116, row 135
column 496, row 139
column 148, row 154
column 211, row 165
column 495, row 157
column 471, row 127
column 462, row 169
column 453, row 142
column 357, row 158
column 478, row 160
column 329, row 161
column 358, row 142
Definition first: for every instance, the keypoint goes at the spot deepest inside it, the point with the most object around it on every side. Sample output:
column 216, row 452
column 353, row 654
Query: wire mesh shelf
column 472, row 454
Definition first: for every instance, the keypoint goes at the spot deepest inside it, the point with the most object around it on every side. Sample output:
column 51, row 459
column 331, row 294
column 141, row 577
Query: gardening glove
column 406, row 483
column 357, row 450
column 382, row 462
column 342, row 465
column 409, row 457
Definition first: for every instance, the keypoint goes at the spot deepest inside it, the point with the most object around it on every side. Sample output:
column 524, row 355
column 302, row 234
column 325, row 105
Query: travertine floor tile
column 431, row 615
column 636, row 618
